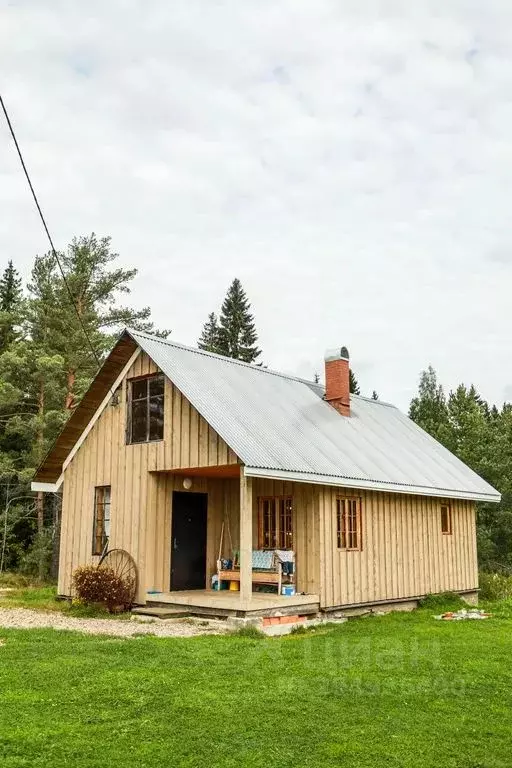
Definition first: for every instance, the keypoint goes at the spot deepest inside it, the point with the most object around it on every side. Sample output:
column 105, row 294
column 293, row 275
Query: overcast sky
column 350, row 162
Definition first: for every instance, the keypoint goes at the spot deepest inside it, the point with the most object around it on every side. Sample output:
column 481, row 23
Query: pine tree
column 95, row 288
column 209, row 339
column 375, row 395
column 353, row 384
column 316, row 378
column 10, row 305
column 237, row 332
column 32, row 399
column 49, row 364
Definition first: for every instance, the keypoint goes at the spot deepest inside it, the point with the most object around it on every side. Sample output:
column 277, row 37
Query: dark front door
column 188, row 542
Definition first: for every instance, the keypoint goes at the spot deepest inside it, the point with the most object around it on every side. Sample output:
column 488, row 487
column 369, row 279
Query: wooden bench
column 258, row 577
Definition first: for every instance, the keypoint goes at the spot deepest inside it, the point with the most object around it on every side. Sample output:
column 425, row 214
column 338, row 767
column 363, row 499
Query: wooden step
column 161, row 613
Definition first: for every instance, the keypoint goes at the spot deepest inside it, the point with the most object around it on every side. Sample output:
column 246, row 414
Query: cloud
column 351, row 163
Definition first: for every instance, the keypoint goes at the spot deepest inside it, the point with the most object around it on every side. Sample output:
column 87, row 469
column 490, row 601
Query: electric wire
column 41, row 216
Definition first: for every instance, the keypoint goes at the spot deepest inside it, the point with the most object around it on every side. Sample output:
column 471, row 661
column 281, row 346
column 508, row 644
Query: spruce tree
column 10, row 289
column 353, row 384
column 237, row 332
column 209, row 339
column 10, row 305
column 375, row 395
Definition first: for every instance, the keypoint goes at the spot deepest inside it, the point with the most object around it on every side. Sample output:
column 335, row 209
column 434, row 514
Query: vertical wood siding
column 141, row 499
column 403, row 552
column 306, row 528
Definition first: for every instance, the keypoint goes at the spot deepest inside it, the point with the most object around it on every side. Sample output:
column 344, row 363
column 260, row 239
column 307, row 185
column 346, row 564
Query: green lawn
column 44, row 598
column 399, row 690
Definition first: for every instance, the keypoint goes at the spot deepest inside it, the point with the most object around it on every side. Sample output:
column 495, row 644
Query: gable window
column 101, row 530
column 275, row 522
column 446, row 519
column 145, row 409
column 348, row 523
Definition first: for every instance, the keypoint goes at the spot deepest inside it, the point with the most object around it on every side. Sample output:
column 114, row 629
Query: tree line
column 480, row 434
column 49, row 329
column 54, row 333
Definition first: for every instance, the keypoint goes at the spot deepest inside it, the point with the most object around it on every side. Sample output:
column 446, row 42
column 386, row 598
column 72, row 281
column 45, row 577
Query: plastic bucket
column 234, row 586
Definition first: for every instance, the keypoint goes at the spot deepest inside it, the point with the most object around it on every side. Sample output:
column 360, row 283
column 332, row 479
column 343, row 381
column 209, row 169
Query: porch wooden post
column 245, row 537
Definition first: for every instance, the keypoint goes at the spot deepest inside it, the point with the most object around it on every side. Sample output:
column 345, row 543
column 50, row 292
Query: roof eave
column 374, row 485
column 50, row 469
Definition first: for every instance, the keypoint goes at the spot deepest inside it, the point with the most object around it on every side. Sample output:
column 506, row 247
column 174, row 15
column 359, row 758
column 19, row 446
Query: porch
column 215, row 532
column 208, row 602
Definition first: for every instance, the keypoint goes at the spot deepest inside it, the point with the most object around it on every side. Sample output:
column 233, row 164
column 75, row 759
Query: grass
column 395, row 690
column 446, row 601
column 10, row 579
column 249, row 631
column 44, row 598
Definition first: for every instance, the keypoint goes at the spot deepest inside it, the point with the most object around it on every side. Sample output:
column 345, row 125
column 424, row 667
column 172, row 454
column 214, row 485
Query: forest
column 50, row 349
column 56, row 330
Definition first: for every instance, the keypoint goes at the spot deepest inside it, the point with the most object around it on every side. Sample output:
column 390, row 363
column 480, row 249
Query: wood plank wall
column 306, row 527
column 404, row 554
column 140, row 500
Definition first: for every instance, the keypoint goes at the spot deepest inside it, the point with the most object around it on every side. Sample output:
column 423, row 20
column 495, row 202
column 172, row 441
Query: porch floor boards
column 208, row 602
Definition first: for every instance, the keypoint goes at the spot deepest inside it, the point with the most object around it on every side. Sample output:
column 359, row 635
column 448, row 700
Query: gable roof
column 280, row 427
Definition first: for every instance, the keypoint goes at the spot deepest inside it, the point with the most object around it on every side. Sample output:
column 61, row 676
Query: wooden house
column 183, row 458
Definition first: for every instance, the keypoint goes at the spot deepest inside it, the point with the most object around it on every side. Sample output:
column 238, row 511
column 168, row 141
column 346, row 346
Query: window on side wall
column 446, row 519
column 145, row 421
column 348, row 524
column 275, row 522
column 101, row 530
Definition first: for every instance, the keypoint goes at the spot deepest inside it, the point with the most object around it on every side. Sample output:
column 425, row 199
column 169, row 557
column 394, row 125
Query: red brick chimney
column 337, row 381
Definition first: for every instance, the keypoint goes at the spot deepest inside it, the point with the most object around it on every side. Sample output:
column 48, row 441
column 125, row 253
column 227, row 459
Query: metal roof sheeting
column 280, row 426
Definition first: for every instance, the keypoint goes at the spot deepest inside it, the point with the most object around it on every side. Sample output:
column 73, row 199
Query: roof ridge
column 374, row 402
column 134, row 333
column 233, row 361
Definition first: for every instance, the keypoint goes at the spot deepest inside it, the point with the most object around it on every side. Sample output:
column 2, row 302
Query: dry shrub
column 102, row 585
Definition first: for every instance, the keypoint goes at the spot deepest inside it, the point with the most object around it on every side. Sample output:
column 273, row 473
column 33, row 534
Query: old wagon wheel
column 122, row 563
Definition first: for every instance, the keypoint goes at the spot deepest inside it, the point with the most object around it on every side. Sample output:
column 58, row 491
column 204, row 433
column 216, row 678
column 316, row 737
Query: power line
column 54, row 252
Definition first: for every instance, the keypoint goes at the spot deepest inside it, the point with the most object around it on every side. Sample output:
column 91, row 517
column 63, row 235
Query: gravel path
column 23, row 618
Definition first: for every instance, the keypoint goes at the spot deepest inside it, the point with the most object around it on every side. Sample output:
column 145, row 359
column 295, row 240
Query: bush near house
column 102, row 585
column 495, row 586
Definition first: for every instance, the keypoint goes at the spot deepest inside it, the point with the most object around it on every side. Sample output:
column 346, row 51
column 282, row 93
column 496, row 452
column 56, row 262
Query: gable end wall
column 105, row 459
